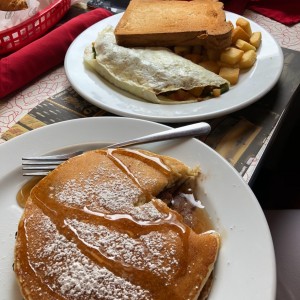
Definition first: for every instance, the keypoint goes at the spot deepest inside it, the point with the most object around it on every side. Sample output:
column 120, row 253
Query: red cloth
column 285, row 12
column 235, row 6
column 26, row 64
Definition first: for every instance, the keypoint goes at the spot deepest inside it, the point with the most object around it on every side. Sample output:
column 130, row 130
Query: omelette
column 155, row 74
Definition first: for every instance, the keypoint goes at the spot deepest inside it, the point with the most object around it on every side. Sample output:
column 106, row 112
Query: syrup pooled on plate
column 25, row 190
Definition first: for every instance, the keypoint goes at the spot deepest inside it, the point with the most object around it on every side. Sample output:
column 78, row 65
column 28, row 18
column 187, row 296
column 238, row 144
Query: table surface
column 54, row 85
column 266, row 114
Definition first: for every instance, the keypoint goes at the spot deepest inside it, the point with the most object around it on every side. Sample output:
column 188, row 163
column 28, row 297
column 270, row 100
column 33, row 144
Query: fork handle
column 192, row 130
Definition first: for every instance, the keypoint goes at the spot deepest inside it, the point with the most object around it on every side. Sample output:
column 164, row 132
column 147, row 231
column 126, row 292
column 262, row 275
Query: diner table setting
column 51, row 102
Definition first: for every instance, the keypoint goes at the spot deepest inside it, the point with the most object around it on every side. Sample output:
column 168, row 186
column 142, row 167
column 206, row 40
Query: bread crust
column 173, row 23
column 13, row 5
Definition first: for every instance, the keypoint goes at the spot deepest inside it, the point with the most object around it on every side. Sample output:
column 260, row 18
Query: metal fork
column 41, row 165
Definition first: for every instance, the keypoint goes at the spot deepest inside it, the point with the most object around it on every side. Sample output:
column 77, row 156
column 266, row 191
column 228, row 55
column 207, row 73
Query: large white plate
column 246, row 265
column 252, row 85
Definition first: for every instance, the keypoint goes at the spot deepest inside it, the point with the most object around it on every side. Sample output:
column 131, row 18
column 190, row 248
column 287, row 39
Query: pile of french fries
column 228, row 63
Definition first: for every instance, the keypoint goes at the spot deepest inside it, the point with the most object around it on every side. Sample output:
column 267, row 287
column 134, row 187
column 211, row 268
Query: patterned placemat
column 240, row 137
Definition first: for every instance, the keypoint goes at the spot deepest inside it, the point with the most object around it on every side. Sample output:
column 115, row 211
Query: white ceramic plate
column 246, row 264
column 252, row 85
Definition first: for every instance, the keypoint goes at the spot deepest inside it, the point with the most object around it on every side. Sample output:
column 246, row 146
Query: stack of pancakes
column 94, row 229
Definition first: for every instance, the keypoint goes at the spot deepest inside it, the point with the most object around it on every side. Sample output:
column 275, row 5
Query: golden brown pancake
column 93, row 229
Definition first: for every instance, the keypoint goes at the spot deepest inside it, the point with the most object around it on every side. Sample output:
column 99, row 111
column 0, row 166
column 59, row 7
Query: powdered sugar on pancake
column 155, row 251
column 116, row 194
column 72, row 274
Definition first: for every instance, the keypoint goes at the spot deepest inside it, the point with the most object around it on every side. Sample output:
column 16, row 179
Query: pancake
column 94, row 229
column 153, row 74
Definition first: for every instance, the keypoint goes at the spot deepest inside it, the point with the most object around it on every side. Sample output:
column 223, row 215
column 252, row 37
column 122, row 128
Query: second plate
column 252, row 85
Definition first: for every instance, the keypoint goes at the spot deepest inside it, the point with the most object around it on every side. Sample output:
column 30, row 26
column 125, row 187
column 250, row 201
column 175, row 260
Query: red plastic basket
column 19, row 36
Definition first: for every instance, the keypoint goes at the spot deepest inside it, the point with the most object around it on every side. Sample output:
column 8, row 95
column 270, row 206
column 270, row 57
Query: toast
column 94, row 229
column 13, row 5
column 147, row 23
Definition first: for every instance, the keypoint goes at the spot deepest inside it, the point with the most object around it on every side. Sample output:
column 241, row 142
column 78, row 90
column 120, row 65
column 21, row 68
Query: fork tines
column 42, row 168
column 41, row 165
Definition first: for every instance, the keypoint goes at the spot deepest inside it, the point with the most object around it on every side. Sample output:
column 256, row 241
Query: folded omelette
column 155, row 74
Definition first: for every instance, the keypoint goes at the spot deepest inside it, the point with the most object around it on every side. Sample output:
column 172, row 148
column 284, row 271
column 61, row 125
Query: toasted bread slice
column 173, row 23
column 93, row 229
column 13, row 5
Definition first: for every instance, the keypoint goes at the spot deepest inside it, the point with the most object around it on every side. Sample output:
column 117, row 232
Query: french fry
column 239, row 33
column 210, row 65
column 196, row 92
column 255, row 39
column 213, row 54
column 245, row 24
column 231, row 55
column 230, row 74
column 180, row 95
column 243, row 45
column 248, row 59
column 216, row 92
column 194, row 57
column 228, row 62
column 222, row 65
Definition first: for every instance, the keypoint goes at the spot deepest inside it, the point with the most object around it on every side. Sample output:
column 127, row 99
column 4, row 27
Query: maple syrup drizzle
column 26, row 267
column 126, row 170
column 153, row 161
column 140, row 277
column 25, row 190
